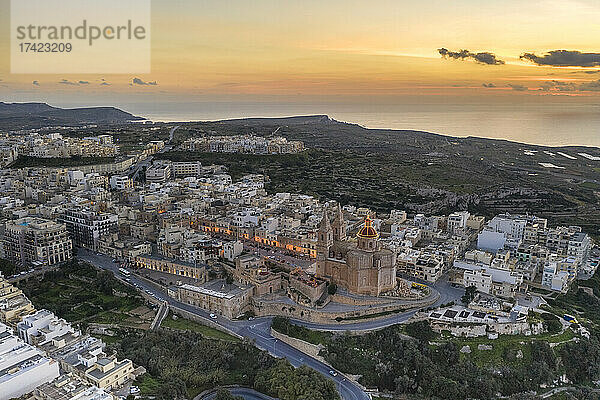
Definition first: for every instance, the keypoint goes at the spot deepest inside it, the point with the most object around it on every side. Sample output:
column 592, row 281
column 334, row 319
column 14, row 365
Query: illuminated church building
column 362, row 267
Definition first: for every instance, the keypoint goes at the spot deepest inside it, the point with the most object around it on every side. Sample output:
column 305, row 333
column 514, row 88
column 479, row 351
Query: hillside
column 16, row 116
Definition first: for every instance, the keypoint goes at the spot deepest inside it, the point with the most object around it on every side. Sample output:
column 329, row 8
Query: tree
column 551, row 323
column 470, row 293
column 420, row 330
column 332, row 288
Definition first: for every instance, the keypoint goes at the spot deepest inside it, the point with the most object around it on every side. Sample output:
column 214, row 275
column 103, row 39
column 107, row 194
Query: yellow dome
column 367, row 231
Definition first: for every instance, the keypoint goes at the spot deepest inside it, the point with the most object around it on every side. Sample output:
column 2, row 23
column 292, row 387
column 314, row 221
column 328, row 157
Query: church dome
column 368, row 231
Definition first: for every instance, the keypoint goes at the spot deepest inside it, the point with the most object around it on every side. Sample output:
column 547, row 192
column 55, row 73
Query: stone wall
column 264, row 308
column 305, row 347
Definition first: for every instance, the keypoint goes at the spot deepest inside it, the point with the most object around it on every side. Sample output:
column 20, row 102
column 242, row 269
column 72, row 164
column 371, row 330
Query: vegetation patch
column 183, row 324
column 82, row 294
column 182, row 364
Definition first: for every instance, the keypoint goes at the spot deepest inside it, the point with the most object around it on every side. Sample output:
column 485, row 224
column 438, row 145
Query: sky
column 377, row 51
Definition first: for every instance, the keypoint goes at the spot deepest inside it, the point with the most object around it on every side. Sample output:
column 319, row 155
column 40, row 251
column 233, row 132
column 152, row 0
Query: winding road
column 259, row 329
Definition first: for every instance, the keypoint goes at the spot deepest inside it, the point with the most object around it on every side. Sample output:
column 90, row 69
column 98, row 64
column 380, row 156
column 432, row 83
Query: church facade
column 361, row 267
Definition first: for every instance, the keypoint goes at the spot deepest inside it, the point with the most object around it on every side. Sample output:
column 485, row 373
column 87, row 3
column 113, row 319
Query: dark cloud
column 481, row 58
column 558, row 86
column 35, row 83
column 68, row 82
column 518, row 88
column 592, row 86
column 592, row 72
column 564, row 58
column 488, row 85
column 84, row 83
column 138, row 81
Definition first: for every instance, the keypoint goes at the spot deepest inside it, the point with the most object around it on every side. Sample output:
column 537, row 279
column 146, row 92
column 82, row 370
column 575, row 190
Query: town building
column 13, row 303
column 251, row 270
column 37, row 242
column 121, row 182
column 87, row 227
column 43, row 327
column 230, row 301
column 172, row 267
column 70, row 387
column 22, row 367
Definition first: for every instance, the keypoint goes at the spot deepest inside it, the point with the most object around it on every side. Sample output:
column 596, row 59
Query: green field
column 183, row 324
column 80, row 293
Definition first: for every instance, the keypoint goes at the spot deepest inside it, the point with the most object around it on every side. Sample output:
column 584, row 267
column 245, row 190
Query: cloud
column 138, row 81
column 35, row 83
column 481, row 58
column 84, row 83
column 558, row 86
column 564, row 58
column 488, row 85
column 105, row 84
column 561, row 86
column 518, row 88
column 68, row 82
column 592, row 86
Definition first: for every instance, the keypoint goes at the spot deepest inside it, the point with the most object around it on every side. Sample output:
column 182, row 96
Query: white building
column 22, row 367
column 121, row 182
column 495, row 281
column 554, row 279
column 457, row 220
column 232, row 249
column 158, row 173
column 41, row 327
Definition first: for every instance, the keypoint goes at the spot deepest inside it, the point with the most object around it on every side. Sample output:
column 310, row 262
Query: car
column 213, row 316
column 134, row 390
column 332, row 373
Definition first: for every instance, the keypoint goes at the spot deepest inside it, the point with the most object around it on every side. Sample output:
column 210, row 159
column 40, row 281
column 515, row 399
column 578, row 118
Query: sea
column 555, row 124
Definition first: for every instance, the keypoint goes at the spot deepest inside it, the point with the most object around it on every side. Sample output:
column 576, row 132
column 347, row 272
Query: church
column 361, row 266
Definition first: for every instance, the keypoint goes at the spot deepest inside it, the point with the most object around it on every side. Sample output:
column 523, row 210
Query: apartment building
column 87, row 227
column 421, row 265
column 22, row 366
column 13, row 303
column 70, row 387
column 121, row 182
column 183, row 169
column 36, row 241
column 42, row 327
column 488, row 279
column 159, row 172
column 107, row 372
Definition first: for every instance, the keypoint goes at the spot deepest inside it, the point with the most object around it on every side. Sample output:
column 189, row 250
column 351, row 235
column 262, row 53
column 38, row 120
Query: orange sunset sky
column 340, row 50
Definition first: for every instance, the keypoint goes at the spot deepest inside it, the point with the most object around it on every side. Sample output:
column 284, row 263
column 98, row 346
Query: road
column 258, row 330
column 247, row 394
column 447, row 293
